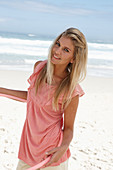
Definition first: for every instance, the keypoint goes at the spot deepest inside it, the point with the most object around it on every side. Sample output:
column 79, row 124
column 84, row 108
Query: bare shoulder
column 37, row 64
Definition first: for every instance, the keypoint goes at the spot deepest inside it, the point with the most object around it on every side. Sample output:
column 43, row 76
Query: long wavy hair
column 76, row 71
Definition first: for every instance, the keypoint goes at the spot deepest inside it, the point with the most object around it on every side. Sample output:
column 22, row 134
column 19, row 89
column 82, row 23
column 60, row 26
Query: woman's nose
column 58, row 50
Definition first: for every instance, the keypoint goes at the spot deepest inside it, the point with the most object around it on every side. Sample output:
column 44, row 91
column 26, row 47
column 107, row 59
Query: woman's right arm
column 14, row 94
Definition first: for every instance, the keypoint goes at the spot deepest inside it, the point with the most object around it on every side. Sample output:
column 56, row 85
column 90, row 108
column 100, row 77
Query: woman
column 52, row 101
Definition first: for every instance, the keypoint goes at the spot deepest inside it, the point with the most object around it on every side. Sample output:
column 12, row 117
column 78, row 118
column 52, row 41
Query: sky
column 51, row 17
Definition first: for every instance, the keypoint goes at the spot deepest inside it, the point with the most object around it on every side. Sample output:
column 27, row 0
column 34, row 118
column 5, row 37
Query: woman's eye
column 58, row 44
column 66, row 50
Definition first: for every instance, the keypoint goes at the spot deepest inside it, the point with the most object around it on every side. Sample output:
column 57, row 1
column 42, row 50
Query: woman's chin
column 54, row 61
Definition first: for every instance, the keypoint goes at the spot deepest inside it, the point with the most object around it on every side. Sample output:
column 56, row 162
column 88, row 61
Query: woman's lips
column 57, row 58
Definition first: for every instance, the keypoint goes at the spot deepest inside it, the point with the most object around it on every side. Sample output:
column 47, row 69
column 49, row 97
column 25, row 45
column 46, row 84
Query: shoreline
column 91, row 72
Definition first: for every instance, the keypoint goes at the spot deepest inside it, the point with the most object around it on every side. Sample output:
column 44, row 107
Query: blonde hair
column 76, row 71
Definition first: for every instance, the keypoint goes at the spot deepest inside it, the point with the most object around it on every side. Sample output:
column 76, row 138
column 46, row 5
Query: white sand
column 92, row 145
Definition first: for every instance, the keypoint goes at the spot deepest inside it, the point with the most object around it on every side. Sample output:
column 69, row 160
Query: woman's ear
column 72, row 60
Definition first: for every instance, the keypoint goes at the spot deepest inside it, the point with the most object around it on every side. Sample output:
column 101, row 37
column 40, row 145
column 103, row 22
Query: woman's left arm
column 69, row 118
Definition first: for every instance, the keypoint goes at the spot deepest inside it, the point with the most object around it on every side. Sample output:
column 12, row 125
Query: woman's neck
column 60, row 72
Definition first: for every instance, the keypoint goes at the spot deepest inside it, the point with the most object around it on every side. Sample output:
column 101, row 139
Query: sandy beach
column 92, row 145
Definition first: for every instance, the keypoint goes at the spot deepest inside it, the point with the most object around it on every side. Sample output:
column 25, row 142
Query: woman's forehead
column 66, row 41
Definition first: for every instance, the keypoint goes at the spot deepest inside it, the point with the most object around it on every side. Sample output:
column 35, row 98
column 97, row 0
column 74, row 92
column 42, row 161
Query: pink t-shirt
column 43, row 125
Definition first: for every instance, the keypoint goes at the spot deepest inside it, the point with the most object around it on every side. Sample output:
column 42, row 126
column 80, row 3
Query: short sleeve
column 78, row 91
column 32, row 78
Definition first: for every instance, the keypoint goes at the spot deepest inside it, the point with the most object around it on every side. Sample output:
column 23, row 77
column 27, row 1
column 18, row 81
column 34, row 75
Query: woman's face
column 62, row 52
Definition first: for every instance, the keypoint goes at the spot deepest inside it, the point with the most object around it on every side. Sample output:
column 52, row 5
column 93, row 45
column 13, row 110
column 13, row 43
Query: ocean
column 21, row 51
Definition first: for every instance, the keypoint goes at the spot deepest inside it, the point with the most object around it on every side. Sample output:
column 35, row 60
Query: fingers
column 52, row 151
column 53, row 154
column 52, row 160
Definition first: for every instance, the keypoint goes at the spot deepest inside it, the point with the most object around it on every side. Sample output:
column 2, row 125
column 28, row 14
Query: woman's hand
column 56, row 154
